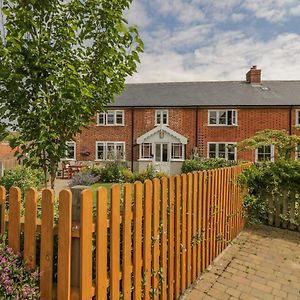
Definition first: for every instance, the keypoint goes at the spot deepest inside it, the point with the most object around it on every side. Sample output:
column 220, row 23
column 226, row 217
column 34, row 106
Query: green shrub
column 201, row 164
column 111, row 172
column 160, row 175
column 24, row 178
column 148, row 173
column 127, row 175
column 267, row 180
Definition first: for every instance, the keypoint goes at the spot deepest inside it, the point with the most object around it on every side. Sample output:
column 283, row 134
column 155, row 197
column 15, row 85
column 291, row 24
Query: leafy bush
column 267, row 180
column 15, row 281
column 111, row 172
column 83, row 178
column 160, row 175
column 201, row 164
column 24, row 178
column 148, row 173
column 127, row 175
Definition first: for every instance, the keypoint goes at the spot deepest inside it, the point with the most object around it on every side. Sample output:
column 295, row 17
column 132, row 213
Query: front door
column 162, row 157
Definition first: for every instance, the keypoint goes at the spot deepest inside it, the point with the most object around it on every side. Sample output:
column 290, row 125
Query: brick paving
column 261, row 263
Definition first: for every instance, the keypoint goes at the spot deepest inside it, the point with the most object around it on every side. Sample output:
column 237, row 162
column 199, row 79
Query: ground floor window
column 146, row 151
column 177, row 151
column 110, row 150
column 222, row 150
column 71, row 151
column 264, row 153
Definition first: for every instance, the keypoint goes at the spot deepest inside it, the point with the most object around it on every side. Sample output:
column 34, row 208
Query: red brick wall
column 250, row 121
column 183, row 121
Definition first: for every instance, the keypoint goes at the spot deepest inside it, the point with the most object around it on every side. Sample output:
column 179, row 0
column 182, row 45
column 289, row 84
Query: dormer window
column 161, row 117
column 222, row 117
column 111, row 118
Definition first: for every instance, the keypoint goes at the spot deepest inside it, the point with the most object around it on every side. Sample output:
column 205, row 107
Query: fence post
column 75, row 244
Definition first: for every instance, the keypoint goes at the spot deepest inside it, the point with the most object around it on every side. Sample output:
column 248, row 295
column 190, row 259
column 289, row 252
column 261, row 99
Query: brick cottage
column 165, row 123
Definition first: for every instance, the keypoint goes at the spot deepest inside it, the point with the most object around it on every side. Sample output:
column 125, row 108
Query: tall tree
column 61, row 62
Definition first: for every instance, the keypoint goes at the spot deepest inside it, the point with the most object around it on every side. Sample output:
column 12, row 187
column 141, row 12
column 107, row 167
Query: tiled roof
column 227, row 93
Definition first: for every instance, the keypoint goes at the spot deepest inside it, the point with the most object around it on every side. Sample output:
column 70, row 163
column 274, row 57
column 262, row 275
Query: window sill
column 219, row 125
column 145, row 159
column 115, row 125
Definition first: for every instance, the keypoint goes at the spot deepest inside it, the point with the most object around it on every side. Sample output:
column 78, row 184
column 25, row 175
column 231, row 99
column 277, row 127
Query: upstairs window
column 161, row 117
column 264, row 153
column 222, row 117
column 298, row 117
column 111, row 118
column 222, row 150
column 71, row 152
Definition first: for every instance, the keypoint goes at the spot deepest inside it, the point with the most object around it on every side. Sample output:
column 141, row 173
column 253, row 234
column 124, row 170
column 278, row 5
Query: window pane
column 110, row 118
column 71, row 150
column 110, row 154
column 146, row 150
column 212, row 117
column 119, row 117
column 222, row 117
column 101, row 118
column 231, row 156
column 165, row 156
column 233, row 118
column 177, row 151
column 158, row 152
column 120, row 151
column 229, row 117
column 264, row 153
column 165, row 118
column 100, row 151
column 158, row 117
column 212, row 150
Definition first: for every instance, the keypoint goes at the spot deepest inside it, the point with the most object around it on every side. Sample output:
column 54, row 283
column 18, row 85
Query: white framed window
column 71, row 151
column 110, row 150
column 111, row 118
column 177, row 151
column 146, row 151
column 161, row 117
column 297, row 117
column 222, row 150
column 264, row 153
column 222, row 117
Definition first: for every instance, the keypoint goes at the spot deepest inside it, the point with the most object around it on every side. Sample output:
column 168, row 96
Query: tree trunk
column 285, row 209
column 271, row 210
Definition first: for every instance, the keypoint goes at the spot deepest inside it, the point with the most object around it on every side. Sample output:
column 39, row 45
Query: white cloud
column 272, row 10
column 138, row 15
column 228, row 56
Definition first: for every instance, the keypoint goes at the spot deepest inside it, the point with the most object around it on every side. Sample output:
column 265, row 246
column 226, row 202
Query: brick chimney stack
column 253, row 76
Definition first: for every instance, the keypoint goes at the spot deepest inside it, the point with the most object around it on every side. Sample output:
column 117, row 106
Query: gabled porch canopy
column 161, row 132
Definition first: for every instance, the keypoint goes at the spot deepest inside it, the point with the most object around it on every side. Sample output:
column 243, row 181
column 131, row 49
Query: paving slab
column 261, row 263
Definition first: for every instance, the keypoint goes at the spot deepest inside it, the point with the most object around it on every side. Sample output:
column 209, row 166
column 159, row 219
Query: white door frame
column 163, row 166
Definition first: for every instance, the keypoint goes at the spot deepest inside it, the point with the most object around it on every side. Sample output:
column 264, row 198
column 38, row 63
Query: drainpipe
column 132, row 137
column 291, row 118
column 196, row 129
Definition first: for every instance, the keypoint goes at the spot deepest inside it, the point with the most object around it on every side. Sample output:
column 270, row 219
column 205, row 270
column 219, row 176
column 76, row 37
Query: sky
column 216, row 40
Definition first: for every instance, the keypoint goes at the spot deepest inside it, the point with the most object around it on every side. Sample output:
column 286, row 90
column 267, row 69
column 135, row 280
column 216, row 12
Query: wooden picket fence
column 150, row 241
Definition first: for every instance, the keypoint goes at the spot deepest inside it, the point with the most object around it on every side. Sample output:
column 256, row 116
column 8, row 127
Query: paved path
column 61, row 184
column 262, row 263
